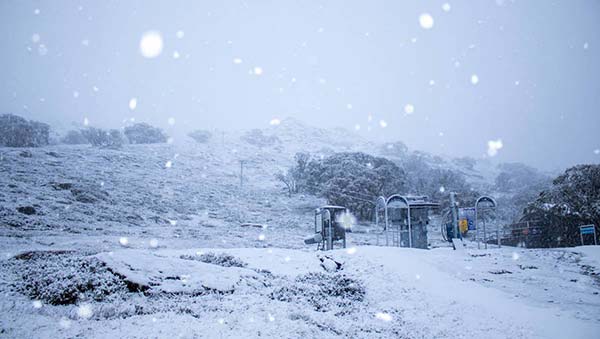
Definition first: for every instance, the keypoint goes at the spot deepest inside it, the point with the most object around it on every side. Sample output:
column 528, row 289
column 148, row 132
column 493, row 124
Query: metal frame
column 407, row 204
column 380, row 203
column 483, row 198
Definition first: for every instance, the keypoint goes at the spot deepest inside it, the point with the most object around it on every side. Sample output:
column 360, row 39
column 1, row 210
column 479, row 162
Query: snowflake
column 36, row 11
column 271, row 318
column 515, row 256
column 357, row 127
column 494, row 146
column 261, row 237
column 180, row 34
column 171, row 121
column 237, row 61
column 474, row 79
column 446, row 7
column 383, row 316
column 35, row 38
column 75, row 94
column 351, row 250
column 172, row 222
column 151, row 44
column 64, row 322
column 37, row 304
column 275, row 122
column 169, row 164
column 597, row 151
column 409, row 109
column 349, row 106
column 153, row 243
column 176, row 55
column 442, row 189
column 86, row 122
column 382, row 123
column 85, row 311
column 258, row 70
column 417, row 276
column 124, row 241
column 132, row 103
column 426, row 21
column 42, row 50
column 287, row 259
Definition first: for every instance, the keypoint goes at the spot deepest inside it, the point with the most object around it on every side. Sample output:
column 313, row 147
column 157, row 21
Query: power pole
column 241, row 173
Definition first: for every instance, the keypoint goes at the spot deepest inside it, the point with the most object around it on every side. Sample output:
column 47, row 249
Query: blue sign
column 587, row 229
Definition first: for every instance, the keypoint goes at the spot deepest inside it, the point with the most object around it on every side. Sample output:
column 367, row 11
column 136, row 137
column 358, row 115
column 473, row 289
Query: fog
column 523, row 72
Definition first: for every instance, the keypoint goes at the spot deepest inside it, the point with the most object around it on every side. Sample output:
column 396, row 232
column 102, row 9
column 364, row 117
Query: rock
column 28, row 210
column 25, row 154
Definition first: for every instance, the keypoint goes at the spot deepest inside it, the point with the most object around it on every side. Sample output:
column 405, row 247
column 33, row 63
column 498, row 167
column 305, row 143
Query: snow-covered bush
column 221, row 259
column 102, row 138
column 62, row 277
column 142, row 133
column 74, row 137
column 324, row 292
column 15, row 131
column 572, row 200
column 257, row 138
column 352, row 180
column 200, row 136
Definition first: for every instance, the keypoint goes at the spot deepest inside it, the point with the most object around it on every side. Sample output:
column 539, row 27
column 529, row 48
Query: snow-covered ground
column 161, row 241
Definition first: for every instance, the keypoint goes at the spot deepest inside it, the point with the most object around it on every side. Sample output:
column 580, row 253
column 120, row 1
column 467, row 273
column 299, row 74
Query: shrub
column 221, row 259
column 257, row 138
column 15, row 131
column 200, row 136
column 142, row 133
column 102, row 138
column 323, row 291
column 63, row 278
column 74, row 138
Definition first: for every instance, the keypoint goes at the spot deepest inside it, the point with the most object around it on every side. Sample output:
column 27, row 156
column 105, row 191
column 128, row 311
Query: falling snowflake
column 349, row 106
column 382, row 123
column 517, row 83
column 409, row 109
column 85, row 42
column 95, row 89
column 346, row 219
column 37, row 304
column 36, row 11
column 85, row 311
column 86, row 122
column 168, row 164
column 494, row 146
column 176, row 55
column 383, row 316
column 597, row 151
column 357, row 127
column 515, row 256
column 171, row 121
column 474, row 79
column 132, row 103
column 442, row 189
column 586, row 45
column 417, row 276
column 271, row 318
column 124, row 241
column 446, row 7
column 35, row 38
column 180, row 34
column 151, row 44
column 287, row 259
column 153, row 243
column 431, row 82
column 221, row 321
column 172, row 222
column 258, row 70
column 275, row 122
column 42, row 50
column 237, row 61
column 75, row 94
column 261, row 237
column 351, row 250
column 426, row 21
column 64, row 323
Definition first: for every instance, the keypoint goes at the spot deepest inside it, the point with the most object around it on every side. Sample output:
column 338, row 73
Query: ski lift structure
column 405, row 220
column 329, row 229
column 484, row 206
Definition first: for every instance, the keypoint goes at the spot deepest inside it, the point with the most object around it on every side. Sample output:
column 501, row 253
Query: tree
column 102, row 138
column 571, row 201
column 143, row 133
column 15, row 131
column 200, row 136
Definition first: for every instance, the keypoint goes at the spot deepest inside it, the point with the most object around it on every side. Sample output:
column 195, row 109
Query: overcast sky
column 523, row 72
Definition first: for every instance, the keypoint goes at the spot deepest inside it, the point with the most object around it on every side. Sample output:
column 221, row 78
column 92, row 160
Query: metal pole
column 484, row 235
column 330, row 235
column 385, row 211
column 241, row 173
column 477, row 227
column 409, row 227
column 595, row 243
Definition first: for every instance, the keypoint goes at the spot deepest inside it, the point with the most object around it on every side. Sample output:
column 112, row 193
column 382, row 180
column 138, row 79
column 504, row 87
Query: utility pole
column 241, row 173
